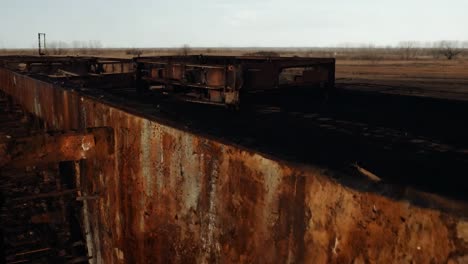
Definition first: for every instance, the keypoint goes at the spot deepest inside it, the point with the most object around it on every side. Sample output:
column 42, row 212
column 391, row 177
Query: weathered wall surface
column 167, row 195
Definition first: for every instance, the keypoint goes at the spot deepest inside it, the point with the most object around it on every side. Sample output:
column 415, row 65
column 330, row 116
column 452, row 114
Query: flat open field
column 432, row 78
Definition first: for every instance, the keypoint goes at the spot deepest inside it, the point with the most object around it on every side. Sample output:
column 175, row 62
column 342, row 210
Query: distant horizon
column 223, row 23
column 462, row 44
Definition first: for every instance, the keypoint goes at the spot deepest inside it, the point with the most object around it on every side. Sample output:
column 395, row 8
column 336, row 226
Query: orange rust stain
column 241, row 215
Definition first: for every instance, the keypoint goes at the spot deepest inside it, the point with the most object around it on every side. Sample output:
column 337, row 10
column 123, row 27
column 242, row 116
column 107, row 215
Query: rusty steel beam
column 171, row 195
column 221, row 80
column 25, row 190
column 66, row 66
column 33, row 251
column 46, row 148
column 45, row 195
column 47, row 218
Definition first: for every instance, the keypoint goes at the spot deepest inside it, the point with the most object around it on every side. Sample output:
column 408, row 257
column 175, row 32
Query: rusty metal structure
column 56, row 67
column 41, row 41
column 221, row 80
column 39, row 211
column 152, row 189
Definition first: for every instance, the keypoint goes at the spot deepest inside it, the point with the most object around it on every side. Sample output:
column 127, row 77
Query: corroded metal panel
column 43, row 149
column 37, row 201
column 168, row 195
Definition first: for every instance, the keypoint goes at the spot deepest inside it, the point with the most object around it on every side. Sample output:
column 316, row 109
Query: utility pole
column 42, row 43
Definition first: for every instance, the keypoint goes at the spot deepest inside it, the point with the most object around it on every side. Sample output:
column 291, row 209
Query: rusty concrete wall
column 167, row 195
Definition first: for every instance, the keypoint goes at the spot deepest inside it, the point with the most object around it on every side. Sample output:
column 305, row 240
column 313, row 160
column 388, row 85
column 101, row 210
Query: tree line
column 81, row 47
column 444, row 48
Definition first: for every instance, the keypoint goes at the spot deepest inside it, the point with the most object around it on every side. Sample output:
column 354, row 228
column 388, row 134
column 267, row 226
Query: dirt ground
column 432, row 78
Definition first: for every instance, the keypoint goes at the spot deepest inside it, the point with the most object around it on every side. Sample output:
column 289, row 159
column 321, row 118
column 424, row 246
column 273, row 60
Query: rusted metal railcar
column 57, row 66
column 159, row 192
column 221, row 80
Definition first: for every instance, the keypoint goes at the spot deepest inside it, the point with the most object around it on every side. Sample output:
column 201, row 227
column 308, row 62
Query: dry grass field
column 434, row 78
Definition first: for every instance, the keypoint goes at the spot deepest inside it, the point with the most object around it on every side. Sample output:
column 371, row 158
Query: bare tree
column 185, row 50
column 134, row 52
column 449, row 49
column 408, row 49
column 465, row 44
column 94, row 45
column 76, row 45
column 370, row 52
column 2, row 47
column 84, row 48
column 57, row 48
column 51, row 47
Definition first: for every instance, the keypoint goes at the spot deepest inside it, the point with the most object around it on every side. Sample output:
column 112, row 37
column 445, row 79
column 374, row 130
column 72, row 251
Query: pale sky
column 232, row 23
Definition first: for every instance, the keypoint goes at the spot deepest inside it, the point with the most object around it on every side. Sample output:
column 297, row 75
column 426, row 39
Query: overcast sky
column 232, row 23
